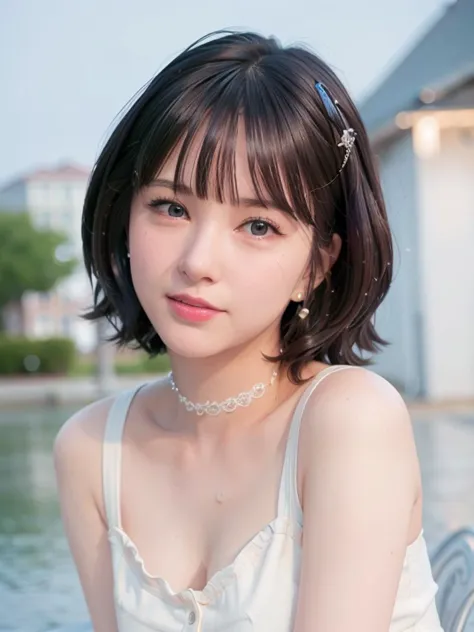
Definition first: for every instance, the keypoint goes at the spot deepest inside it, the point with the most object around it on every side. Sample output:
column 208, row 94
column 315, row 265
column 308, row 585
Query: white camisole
column 258, row 591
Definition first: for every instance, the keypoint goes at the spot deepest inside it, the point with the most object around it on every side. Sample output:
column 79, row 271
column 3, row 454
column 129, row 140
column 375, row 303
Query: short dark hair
column 293, row 154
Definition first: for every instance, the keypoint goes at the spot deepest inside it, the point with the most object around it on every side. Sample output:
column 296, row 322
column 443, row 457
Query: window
column 66, row 324
column 44, row 297
column 44, row 326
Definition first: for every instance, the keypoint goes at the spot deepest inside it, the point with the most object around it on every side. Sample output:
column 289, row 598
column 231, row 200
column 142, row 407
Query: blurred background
column 67, row 69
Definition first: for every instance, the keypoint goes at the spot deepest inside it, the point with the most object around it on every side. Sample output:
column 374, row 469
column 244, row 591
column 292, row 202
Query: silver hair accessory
column 348, row 136
column 228, row 405
column 347, row 141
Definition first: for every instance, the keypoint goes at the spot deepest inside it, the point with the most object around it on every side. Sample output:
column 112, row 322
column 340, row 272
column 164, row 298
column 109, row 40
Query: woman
column 270, row 483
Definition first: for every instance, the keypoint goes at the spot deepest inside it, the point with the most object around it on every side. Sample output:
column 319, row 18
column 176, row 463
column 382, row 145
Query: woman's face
column 246, row 261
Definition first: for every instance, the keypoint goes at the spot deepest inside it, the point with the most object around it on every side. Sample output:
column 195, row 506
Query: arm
column 361, row 483
column 77, row 458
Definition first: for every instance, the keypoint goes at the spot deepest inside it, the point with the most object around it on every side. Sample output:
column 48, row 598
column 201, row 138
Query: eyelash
column 156, row 202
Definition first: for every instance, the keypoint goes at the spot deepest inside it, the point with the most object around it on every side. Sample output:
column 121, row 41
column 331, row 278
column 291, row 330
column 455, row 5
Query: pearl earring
column 303, row 313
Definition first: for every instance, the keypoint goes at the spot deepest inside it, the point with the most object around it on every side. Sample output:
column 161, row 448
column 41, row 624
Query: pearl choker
column 228, row 405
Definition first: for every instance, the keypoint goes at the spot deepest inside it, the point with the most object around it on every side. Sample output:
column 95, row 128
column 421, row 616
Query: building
column 421, row 122
column 54, row 199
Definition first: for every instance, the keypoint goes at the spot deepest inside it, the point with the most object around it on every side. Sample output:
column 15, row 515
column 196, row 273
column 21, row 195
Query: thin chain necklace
column 228, row 405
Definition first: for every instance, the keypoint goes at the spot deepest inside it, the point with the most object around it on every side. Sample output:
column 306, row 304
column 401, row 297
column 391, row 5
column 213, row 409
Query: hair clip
column 334, row 113
column 329, row 104
column 347, row 141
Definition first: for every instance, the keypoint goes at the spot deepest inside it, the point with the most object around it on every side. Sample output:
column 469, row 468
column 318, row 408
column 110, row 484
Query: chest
column 257, row 591
column 189, row 518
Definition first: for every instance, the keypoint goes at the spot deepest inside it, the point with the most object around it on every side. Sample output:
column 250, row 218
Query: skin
column 358, row 476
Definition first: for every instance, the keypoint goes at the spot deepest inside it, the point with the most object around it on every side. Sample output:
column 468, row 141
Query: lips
column 193, row 302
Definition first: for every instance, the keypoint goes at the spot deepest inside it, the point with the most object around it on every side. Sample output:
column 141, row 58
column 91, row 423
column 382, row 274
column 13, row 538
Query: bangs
column 211, row 113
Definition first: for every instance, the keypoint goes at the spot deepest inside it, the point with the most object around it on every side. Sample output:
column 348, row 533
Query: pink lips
column 192, row 309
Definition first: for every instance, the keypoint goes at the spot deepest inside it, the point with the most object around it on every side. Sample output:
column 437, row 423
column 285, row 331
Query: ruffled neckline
column 222, row 578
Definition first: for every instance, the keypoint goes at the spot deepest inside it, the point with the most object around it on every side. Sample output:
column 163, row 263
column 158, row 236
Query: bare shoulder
column 83, row 429
column 354, row 423
column 357, row 405
column 78, row 464
column 356, row 396
column 77, row 447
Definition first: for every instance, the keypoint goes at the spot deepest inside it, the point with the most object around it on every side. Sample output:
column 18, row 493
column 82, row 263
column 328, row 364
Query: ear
column 329, row 256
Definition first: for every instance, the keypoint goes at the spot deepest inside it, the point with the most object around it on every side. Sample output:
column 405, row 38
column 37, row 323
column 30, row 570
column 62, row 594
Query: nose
column 200, row 257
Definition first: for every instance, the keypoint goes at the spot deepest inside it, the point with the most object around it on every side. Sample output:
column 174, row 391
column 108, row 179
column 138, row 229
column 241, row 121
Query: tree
column 29, row 258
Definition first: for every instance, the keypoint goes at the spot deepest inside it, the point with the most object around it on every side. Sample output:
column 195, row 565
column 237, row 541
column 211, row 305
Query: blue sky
column 69, row 66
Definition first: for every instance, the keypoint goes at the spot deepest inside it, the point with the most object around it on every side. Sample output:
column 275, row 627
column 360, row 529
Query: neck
column 218, row 378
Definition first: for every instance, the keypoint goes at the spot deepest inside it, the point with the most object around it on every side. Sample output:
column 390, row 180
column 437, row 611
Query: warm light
column 446, row 118
column 428, row 95
column 403, row 120
column 426, row 136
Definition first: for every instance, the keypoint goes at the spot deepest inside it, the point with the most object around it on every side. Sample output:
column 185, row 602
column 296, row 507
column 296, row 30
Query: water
column 39, row 589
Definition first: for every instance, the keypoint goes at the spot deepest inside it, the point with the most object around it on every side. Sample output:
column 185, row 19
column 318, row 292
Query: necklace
column 228, row 405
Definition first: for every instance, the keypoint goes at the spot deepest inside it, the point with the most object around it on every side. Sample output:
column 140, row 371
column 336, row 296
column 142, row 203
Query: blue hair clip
column 348, row 136
column 326, row 99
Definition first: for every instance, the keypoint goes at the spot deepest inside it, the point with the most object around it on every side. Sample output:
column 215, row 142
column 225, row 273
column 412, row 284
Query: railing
column 453, row 570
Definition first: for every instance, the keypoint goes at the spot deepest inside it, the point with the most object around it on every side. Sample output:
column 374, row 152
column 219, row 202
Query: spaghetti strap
column 112, row 455
column 288, row 502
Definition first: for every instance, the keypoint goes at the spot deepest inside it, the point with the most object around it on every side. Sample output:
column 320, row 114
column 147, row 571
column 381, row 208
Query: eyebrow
column 182, row 188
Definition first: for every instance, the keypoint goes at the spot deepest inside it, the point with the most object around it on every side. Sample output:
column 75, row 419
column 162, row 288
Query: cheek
column 149, row 246
column 269, row 285
column 150, row 257
column 273, row 280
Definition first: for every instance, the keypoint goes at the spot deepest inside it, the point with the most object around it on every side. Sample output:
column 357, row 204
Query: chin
column 193, row 344
column 205, row 340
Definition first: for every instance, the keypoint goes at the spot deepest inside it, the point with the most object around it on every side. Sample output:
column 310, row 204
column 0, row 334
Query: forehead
column 228, row 170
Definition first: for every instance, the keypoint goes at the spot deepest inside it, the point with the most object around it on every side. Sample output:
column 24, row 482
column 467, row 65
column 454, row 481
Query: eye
column 260, row 227
column 169, row 208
